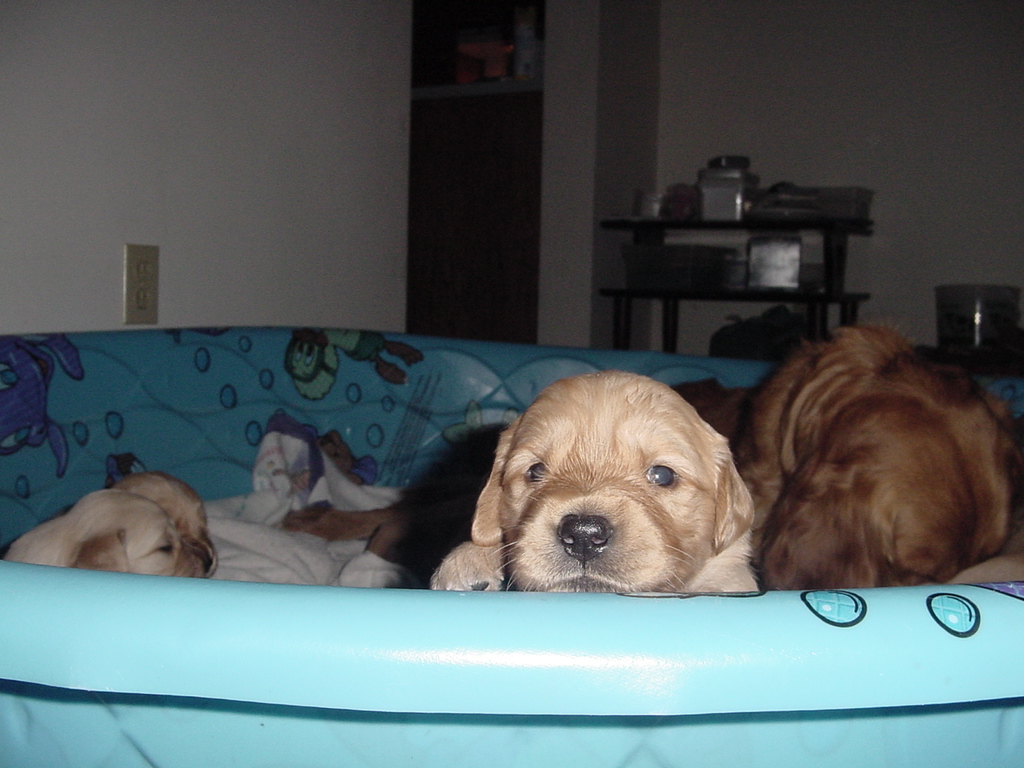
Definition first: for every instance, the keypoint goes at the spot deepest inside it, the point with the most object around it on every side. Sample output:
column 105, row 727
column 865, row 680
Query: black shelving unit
column 835, row 236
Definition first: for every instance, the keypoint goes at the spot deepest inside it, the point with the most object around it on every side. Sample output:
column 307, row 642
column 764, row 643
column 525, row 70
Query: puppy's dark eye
column 661, row 475
column 536, row 472
column 166, row 548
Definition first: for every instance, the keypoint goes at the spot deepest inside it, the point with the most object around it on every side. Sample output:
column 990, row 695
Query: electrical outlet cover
column 141, row 281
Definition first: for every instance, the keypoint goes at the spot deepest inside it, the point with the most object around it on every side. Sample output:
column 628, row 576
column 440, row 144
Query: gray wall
column 922, row 101
column 600, row 143
column 262, row 146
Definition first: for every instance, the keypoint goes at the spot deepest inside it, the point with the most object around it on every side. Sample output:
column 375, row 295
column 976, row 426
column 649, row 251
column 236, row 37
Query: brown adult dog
column 872, row 467
column 148, row 523
column 608, row 482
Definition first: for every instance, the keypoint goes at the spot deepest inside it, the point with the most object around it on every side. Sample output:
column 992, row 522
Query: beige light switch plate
column 141, row 284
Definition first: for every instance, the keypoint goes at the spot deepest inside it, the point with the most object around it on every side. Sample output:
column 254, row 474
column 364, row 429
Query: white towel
column 291, row 473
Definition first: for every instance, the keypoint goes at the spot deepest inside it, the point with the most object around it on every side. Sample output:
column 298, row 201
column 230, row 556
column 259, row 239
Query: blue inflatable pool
column 104, row 669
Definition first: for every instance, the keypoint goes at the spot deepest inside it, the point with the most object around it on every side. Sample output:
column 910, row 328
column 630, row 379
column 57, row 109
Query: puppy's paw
column 469, row 568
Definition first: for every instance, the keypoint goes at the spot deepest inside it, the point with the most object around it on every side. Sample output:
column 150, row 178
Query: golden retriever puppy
column 185, row 508
column 608, row 482
column 151, row 525
column 871, row 467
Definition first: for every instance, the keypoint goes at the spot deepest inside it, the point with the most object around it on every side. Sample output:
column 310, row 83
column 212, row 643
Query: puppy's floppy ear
column 734, row 507
column 103, row 553
column 486, row 531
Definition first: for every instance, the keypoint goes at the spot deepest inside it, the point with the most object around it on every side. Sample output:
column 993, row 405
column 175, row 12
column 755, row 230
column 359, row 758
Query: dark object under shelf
column 770, row 336
column 817, row 309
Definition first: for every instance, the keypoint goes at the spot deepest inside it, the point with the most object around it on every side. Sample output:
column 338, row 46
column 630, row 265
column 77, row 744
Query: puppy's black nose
column 584, row 536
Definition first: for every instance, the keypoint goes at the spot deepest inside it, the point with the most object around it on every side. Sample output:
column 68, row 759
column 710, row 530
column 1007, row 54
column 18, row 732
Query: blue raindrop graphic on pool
column 115, row 424
column 228, row 396
column 80, row 431
column 955, row 614
column 836, row 606
column 202, row 359
column 375, row 435
column 253, row 433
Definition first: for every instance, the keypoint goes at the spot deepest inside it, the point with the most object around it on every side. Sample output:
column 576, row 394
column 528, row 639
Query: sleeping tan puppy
column 148, row 523
column 185, row 508
column 609, row 482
